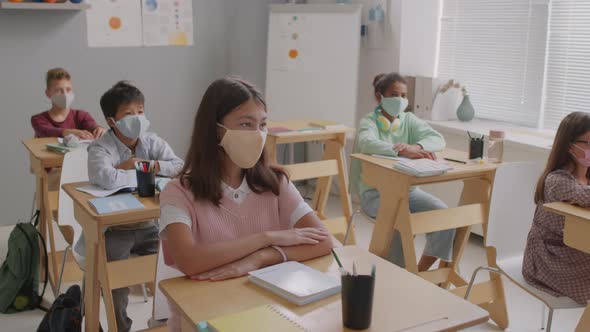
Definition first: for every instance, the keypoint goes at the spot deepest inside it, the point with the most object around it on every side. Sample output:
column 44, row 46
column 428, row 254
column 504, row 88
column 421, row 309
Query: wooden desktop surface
column 151, row 211
column 401, row 300
column 37, row 149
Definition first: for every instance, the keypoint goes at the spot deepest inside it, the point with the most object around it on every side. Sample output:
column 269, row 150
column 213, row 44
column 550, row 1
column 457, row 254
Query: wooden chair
column 323, row 171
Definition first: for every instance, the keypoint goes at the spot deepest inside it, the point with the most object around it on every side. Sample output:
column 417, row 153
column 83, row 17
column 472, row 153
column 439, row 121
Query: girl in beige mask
column 231, row 212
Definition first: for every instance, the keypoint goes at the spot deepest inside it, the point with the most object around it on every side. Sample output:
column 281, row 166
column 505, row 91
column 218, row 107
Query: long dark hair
column 203, row 168
column 571, row 127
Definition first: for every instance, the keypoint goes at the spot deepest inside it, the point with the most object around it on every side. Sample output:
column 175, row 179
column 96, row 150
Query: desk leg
column 42, row 226
column 46, row 226
column 92, row 286
column 394, row 190
column 107, row 292
column 584, row 324
column 335, row 150
column 404, row 227
column 271, row 149
column 475, row 191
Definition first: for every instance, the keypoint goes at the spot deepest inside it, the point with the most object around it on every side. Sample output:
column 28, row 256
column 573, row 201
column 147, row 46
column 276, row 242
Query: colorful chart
column 114, row 23
column 167, row 22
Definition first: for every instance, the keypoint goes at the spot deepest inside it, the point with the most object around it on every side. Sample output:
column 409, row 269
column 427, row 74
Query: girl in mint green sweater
column 389, row 131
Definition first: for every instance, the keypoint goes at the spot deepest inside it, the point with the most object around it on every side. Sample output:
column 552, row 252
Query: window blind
column 496, row 48
column 567, row 87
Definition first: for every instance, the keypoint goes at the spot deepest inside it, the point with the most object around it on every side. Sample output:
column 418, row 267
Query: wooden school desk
column 334, row 141
column 98, row 272
column 41, row 161
column 394, row 188
column 576, row 234
column 402, row 301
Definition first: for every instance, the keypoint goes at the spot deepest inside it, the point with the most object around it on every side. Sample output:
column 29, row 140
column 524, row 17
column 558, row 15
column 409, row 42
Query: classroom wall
column 172, row 78
column 247, row 24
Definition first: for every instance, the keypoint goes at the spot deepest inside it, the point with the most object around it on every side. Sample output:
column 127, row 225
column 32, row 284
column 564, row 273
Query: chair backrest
column 163, row 272
column 512, row 208
column 74, row 169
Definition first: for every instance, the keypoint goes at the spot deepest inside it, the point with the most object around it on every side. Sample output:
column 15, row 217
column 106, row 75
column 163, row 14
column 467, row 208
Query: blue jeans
column 438, row 244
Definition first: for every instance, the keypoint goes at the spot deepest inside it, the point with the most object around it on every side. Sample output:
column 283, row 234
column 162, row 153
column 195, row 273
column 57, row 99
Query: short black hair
column 382, row 82
column 122, row 93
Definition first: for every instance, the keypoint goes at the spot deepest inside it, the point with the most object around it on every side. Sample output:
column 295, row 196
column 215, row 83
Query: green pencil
column 341, row 268
column 337, row 259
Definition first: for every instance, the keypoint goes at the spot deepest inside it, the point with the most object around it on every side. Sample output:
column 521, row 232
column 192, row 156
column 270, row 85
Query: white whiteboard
column 313, row 62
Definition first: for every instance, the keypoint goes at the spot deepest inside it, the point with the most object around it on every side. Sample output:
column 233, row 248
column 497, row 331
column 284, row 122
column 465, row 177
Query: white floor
column 524, row 311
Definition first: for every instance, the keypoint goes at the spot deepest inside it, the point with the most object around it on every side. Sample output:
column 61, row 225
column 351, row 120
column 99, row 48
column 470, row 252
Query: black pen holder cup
column 146, row 184
column 475, row 148
column 357, row 301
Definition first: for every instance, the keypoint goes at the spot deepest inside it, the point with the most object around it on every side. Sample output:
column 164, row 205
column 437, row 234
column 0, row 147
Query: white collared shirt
column 236, row 195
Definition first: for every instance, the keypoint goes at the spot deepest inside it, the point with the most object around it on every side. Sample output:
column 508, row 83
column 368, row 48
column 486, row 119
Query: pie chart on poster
column 178, row 39
column 115, row 23
column 151, row 5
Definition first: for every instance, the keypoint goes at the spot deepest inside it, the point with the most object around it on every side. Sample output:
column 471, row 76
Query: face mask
column 585, row 161
column 244, row 147
column 132, row 126
column 394, row 105
column 63, row 101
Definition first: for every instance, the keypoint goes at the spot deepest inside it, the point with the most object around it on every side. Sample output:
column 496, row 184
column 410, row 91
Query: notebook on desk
column 117, row 203
column 264, row 318
column 422, row 167
column 58, row 148
column 295, row 282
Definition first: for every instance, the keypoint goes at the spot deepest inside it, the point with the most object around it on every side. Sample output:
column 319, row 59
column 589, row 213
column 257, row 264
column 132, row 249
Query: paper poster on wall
column 288, row 53
column 167, row 22
column 114, row 23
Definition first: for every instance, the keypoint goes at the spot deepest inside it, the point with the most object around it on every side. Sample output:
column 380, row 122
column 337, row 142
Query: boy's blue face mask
column 132, row 126
column 394, row 105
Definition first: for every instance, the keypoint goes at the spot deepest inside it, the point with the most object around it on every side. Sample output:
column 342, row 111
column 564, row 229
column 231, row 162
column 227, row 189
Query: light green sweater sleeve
column 423, row 134
column 369, row 141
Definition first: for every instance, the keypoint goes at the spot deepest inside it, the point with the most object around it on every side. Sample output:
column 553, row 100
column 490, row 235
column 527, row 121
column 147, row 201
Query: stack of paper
column 422, row 167
column 295, row 282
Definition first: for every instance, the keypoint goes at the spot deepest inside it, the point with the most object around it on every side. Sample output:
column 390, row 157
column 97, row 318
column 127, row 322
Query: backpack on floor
column 19, row 274
column 64, row 314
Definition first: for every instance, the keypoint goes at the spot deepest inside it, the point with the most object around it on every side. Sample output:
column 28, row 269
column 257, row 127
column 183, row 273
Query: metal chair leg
column 550, row 320
column 543, row 316
column 145, row 298
column 349, row 228
column 495, row 270
column 63, row 265
column 487, row 268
